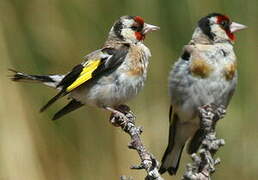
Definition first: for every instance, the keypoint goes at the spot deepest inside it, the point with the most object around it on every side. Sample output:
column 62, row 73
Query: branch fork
column 127, row 124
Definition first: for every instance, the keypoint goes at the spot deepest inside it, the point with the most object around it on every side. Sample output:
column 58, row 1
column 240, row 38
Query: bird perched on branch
column 109, row 76
column 205, row 73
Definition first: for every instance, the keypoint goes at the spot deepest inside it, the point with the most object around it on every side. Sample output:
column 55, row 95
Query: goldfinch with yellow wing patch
column 205, row 73
column 109, row 76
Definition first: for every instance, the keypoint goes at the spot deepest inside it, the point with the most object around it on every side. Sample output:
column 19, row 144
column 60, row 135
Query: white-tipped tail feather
column 48, row 80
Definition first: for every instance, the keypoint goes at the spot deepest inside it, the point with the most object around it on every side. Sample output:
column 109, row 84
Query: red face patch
column 224, row 21
column 139, row 20
column 222, row 18
column 139, row 36
column 231, row 35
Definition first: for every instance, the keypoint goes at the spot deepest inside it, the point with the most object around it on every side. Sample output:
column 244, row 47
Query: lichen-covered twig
column 203, row 162
column 127, row 124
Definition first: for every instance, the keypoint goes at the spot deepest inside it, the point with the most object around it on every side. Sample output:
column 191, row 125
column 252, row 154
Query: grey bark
column 148, row 161
column 203, row 165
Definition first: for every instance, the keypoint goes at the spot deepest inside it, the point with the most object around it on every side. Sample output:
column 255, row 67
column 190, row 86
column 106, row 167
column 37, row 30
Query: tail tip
column 12, row 70
column 162, row 170
column 42, row 109
column 16, row 75
column 55, row 117
column 171, row 170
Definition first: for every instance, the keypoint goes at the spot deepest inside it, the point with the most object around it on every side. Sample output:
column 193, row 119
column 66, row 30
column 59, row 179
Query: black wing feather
column 71, row 106
column 71, row 76
column 108, row 65
column 52, row 100
column 66, row 81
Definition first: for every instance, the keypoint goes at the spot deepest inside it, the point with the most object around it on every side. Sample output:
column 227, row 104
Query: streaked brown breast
column 230, row 70
column 201, row 68
column 137, row 65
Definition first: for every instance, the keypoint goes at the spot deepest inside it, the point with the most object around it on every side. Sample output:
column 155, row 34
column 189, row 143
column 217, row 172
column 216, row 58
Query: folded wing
column 106, row 59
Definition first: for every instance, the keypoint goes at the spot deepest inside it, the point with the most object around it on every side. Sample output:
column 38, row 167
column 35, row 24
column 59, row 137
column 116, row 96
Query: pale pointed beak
column 234, row 27
column 149, row 28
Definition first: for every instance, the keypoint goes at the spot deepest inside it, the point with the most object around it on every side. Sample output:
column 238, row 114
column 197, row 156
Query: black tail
column 172, row 169
column 71, row 106
column 19, row 76
column 195, row 142
column 172, row 155
column 48, row 80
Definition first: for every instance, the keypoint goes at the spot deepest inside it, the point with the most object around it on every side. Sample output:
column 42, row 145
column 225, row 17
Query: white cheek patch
column 213, row 19
column 128, row 33
column 220, row 33
column 216, row 29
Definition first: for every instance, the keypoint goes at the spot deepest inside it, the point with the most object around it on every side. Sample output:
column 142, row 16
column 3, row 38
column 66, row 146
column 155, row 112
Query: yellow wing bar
column 85, row 75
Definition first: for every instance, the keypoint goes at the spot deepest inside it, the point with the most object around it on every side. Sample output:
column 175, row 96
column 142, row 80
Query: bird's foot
column 120, row 115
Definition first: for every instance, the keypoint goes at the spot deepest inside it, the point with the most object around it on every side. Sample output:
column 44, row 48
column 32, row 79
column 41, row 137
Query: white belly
column 109, row 90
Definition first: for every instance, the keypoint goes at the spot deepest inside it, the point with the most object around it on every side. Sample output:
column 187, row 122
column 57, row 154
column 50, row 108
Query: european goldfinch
column 205, row 73
column 109, row 76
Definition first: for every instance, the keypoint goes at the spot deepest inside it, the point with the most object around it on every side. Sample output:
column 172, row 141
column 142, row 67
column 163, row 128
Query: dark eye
column 135, row 28
column 225, row 24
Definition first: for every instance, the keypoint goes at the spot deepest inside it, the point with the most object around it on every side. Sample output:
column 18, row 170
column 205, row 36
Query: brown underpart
column 136, row 61
column 230, row 70
column 137, row 71
column 200, row 68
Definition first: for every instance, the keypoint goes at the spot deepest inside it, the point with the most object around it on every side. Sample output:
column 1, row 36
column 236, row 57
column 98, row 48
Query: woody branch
column 148, row 161
column 203, row 165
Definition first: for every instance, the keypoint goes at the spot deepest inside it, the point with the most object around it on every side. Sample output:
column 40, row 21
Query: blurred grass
column 52, row 35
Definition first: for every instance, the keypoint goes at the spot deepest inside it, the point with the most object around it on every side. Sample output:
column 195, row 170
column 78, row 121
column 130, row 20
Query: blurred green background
column 48, row 36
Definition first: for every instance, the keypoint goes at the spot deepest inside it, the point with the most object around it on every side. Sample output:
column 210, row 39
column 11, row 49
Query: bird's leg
column 116, row 116
column 120, row 115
